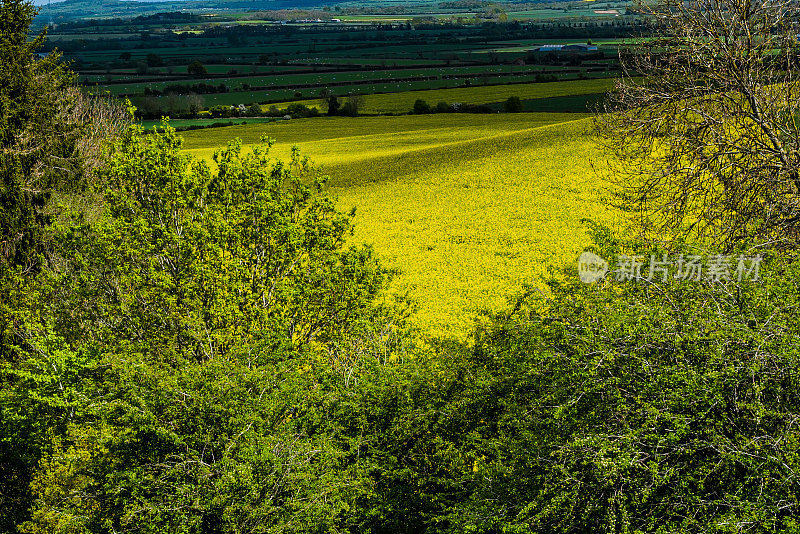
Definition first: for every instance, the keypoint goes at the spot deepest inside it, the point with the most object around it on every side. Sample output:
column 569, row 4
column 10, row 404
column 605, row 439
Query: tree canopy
column 702, row 133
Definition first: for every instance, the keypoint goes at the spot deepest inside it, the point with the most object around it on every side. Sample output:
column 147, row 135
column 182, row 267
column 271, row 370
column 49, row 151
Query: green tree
column 195, row 68
column 52, row 138
column 154, row 60
column 443, row 107
column 36, row 139
column 421, row 107
column 333, row 104
column 296, row 109
column 231, row 288
column 195, row 261
column 352, row 105
column 660, row 406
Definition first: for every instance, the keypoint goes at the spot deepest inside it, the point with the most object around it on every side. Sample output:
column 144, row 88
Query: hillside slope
column 468, row 207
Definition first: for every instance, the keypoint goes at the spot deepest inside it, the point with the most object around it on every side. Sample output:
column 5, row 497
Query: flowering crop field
column 467, row 207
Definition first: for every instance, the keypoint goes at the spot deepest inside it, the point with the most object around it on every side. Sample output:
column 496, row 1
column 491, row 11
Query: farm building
column 550, row 48
column 567, row 48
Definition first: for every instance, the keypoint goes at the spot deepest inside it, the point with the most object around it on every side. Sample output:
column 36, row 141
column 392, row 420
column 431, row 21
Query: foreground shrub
column 196, row 309
column 635, row 407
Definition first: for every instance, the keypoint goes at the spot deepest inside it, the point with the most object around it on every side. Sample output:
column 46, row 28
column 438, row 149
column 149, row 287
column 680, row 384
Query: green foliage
column 226, row 446
column 36, row 138
column 353, row 105
column 299, row 110
column 221, row 111
column 195, row 68
column 333, row 104
column 206, row 354
column 38, row 141
column 209, row 357
column 640, row 407
column 209, row 447
column 600, row 408
column 421, row 107
column 159, row 357
column 154, row 60
column 41, row 395
column 190, row 262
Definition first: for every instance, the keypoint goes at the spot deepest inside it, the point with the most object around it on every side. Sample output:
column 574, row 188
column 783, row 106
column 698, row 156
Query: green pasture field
column 506, row 47
column 200, row 50
column 323, row 78
column 88, row 36
column 370, row 61
column 399, row 96
column 552, row 14
column 209, row 51
column 404, row 102
column 467, row 207
column 130, row 75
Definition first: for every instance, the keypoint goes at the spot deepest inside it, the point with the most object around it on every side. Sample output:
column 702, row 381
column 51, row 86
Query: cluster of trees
column 350, row 108
column 233, row 111
column 191, row 106
column 421, row 107
column 511, row 105
column 296, row 110
column 196, row 348
column 171, row 105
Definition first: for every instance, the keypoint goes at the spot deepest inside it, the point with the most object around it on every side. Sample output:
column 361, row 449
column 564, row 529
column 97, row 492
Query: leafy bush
column 192, row 276
column 332, row 104
column 220, row 111
column 297, row 110
column 195, row 68
column 352, row 106
column 633, row 407
column 421, row 107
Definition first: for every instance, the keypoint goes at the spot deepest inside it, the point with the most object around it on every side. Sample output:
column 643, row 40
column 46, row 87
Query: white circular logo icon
column 591, row 267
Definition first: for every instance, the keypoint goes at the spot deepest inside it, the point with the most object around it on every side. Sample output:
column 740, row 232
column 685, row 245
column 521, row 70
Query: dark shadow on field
column 565, row 104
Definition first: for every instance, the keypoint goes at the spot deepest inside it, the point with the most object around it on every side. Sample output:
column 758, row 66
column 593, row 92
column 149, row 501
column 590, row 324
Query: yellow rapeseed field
column 468, row 207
